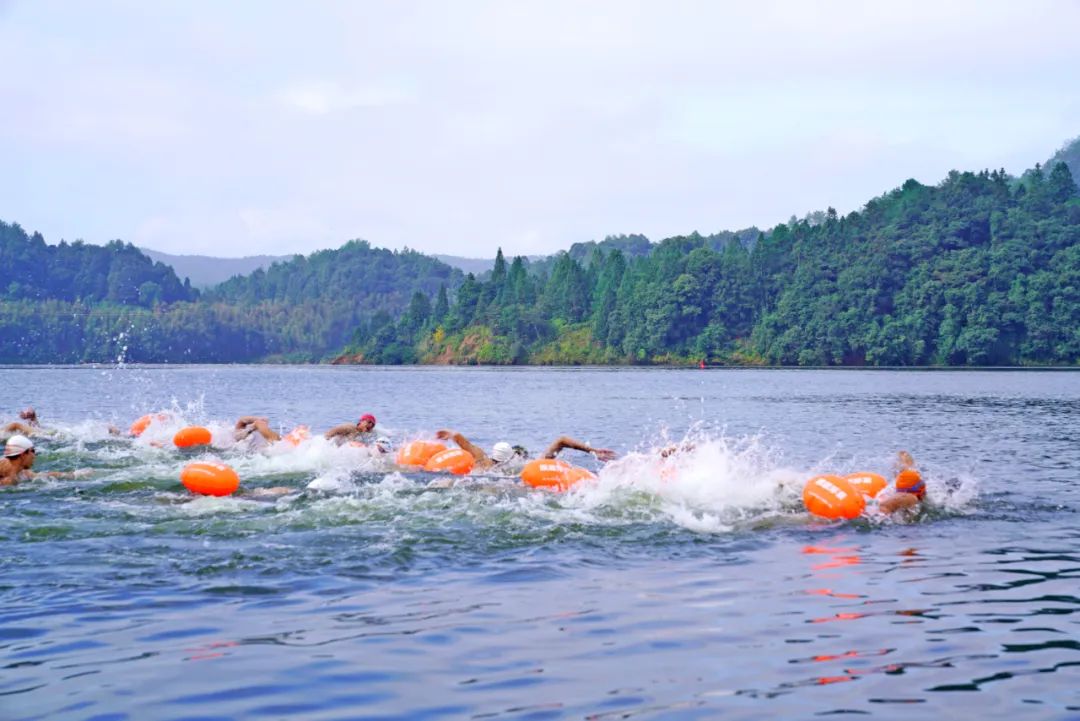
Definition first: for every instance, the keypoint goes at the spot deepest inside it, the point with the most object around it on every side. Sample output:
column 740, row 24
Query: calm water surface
column 700, row 593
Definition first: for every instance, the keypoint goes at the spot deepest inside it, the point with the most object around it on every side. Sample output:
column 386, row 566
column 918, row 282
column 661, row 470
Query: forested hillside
column 979, row 270
column 1070, row 155
column 84, row 303
column 114, row 273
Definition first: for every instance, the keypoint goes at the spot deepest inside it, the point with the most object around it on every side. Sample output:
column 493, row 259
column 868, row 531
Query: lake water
column 693, row 594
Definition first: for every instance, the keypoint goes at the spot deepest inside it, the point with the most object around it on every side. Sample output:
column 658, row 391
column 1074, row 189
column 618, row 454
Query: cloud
column 532, row 125
column 321, row 97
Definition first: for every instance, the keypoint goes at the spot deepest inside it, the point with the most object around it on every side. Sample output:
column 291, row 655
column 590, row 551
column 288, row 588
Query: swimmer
column 910, row 489
column 19, row 455
column 361, row 432
column 502, row 453
column 27, row 425
column 255, row 430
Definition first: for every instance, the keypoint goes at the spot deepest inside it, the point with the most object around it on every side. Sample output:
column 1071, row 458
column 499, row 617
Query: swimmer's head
column 521, row 451
column 502, row 452
column 383, row 444
column 28, row 414
column 366, row 423
column 910, row 481
column 17, row 445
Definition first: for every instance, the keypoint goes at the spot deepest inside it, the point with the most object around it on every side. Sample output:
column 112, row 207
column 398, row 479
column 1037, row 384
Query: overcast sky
column 271, row 127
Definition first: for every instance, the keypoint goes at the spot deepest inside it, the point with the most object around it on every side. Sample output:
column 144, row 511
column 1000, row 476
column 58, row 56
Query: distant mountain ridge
column 1068, row 154
column 205, row 271
column 476, row 266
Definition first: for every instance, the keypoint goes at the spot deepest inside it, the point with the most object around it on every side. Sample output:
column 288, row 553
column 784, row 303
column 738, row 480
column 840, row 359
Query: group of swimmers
column 254, row 432
column 257, row 428
column 907, row 494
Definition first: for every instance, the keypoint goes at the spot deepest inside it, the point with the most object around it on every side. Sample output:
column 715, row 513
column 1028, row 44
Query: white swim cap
column 502, row 452
column 17, row 445
column 383, row 444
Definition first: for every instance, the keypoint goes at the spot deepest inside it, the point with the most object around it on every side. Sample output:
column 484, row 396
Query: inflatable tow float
column 139, row 426
column 553, row 474
column 416, row 454
column 191, row 436
column 837, row 497
column 454, row 460
column 210, row 479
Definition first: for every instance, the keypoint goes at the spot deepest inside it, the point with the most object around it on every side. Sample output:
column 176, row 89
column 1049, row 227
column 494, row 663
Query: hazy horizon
column 273, row 129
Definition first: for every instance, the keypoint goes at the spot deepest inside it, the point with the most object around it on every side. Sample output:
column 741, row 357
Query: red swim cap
column 909, row 481
column 366, row 417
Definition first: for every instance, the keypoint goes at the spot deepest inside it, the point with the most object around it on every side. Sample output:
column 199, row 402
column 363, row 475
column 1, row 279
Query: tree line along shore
column 981, row 269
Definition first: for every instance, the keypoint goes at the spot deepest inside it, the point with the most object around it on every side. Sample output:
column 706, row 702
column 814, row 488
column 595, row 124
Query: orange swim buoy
column 455, row 460
column 418, row 453
column 832, row 497
column 554, row 474
column 869, row 484
column 139, row 426
column 191, row 436
column 210, row 479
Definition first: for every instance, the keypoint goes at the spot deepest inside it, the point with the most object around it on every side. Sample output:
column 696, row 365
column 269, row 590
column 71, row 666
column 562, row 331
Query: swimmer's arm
column 273, row 492
column 245, row 421
column 17, row 427
column 80, row 473
column 898, row 502
column 476, row 451
column 343, row 431
column 263, row 429
column 562, row 442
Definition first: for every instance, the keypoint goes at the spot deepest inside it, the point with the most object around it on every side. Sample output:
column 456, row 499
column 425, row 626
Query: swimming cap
column 366, row 417
column 909, row 481
column 502, row 452
column 383, row 444
column 17, row 445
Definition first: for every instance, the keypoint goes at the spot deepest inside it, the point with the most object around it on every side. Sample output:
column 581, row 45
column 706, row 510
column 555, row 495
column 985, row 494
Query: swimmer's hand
column 80, row 473
column 444, row 435
column 270, row 492
column 605, row 454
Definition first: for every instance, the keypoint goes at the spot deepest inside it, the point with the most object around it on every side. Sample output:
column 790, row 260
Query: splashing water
column 705, row 482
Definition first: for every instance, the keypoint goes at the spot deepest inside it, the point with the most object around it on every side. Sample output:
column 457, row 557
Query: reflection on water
column 689, row 588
